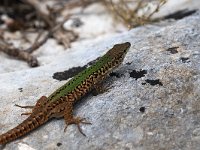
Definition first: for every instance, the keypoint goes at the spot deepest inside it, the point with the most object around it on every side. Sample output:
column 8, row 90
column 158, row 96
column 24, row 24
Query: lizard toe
column 77, row 121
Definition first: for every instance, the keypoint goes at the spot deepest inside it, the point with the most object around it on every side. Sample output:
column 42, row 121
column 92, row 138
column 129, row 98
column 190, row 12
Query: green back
column 78, row 79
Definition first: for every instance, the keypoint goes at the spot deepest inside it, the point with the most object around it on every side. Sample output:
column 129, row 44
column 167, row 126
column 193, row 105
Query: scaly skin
column 60, row 103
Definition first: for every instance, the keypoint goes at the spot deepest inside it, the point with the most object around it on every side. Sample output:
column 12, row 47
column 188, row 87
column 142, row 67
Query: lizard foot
column 26, row 107
column 99, row 89
column 77, row 121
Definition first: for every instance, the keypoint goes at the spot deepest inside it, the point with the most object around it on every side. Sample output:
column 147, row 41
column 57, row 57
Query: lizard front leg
column 99, row 88
column 70, row 119
column 40, row 103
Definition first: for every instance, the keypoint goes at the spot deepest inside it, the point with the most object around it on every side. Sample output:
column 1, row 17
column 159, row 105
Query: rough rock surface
column 152, row 103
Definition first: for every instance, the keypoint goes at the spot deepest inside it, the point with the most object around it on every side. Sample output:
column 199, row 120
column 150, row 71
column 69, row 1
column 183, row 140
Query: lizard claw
column 26, row 107
column 66, row 127
column 27, row 113
column 77, row 121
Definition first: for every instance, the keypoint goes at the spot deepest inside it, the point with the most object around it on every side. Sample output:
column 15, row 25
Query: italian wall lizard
column 60, row 103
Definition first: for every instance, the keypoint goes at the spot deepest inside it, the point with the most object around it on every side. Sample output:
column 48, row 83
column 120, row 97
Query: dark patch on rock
column 59, row 144
column 142, row 109
column 138, row 74
column 64, row 75
column 129, row 63
column 154, row 82
column 184, row 59
column 173, row 50
column 20, row 89
column 180, row 14
column 68, row 73
column 112, row 74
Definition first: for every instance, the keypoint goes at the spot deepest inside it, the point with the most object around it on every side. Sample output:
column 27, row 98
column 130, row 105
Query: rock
column 153, row 103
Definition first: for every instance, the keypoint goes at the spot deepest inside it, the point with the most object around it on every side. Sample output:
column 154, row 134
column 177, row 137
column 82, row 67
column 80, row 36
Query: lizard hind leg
column 70, row 119
column 40, row 103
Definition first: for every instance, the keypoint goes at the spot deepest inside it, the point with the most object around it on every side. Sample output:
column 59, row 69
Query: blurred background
column 36, row 31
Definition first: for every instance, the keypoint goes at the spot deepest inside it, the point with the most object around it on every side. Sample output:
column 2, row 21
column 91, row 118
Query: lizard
column 61, row 102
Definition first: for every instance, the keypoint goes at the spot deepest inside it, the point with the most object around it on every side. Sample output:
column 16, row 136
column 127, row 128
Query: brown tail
column 31, row 123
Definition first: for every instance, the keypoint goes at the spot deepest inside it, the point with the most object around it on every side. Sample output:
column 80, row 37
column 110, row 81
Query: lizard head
column 118, row 52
